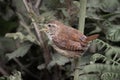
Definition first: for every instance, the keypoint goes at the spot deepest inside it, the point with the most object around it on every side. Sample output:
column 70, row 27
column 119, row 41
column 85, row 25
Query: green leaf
column 110, row 76
column 52, row 4
column 113, row 34
column 58, row 59
column 16, row 76
column 109, row 5
column 7, row 26
column 65, row 13
column 89, row 77
column 20, row 52
column 15, row 35
column 111, row 31
column 92, row 7
column 20, row 36
column 42, row 66
column 62, row 1
column 77, row 3
column 7, row 44
column 101, row 68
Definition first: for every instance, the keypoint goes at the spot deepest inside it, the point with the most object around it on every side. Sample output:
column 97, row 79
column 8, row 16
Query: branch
column 39, row 35
column 82, row 15
column 37, row 3
column 29, row 31
column 33, row 21
column 25, row 69
column 3, row 72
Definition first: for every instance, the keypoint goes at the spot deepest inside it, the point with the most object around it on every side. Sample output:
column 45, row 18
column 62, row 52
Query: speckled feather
column 70, row 39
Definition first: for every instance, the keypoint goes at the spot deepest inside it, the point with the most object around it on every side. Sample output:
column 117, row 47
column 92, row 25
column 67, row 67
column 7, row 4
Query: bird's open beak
column 45, row 29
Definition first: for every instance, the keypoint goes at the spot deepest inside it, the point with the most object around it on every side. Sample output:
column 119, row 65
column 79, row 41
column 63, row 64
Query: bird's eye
column 49, row 25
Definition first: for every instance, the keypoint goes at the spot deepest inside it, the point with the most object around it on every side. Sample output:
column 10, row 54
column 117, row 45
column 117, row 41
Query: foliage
column 16, row 76
column 22, row 50
column 107, row 68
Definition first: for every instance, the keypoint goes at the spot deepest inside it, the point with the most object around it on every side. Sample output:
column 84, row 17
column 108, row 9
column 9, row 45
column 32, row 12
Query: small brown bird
column 67, row 40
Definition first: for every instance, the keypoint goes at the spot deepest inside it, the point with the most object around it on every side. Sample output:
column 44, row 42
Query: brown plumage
column 68, row 39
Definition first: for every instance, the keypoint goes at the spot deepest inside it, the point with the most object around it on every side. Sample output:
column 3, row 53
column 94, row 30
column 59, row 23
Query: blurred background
column 23, row 56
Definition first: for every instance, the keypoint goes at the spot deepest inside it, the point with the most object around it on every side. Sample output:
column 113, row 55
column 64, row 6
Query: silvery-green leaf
column 20, row 52
column 58, row 59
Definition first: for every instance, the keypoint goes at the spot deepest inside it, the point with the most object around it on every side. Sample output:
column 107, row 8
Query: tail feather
column 92, row 37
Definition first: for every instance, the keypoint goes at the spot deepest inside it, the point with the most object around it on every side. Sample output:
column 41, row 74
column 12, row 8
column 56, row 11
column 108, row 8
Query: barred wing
column 67, row 44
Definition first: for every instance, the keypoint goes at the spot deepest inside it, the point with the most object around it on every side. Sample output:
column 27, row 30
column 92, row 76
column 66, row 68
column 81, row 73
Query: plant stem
column 82, row 15
column 38, row 34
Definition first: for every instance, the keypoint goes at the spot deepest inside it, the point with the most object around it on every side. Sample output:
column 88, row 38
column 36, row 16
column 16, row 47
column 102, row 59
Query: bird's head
column 51, row 28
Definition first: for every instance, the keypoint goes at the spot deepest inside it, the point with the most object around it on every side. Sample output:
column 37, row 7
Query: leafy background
column 22, row 57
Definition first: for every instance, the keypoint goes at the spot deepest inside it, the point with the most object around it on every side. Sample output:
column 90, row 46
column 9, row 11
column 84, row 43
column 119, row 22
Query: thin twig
column 82, row 15
column 29, row 31
column 25, row 3
column 33, row 21
column 3, row 72
column 24, row 25
column 37, row 3
column 38, row 34
column 25, row 69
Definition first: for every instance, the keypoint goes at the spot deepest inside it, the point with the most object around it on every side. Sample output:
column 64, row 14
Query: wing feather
column 67, row 44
